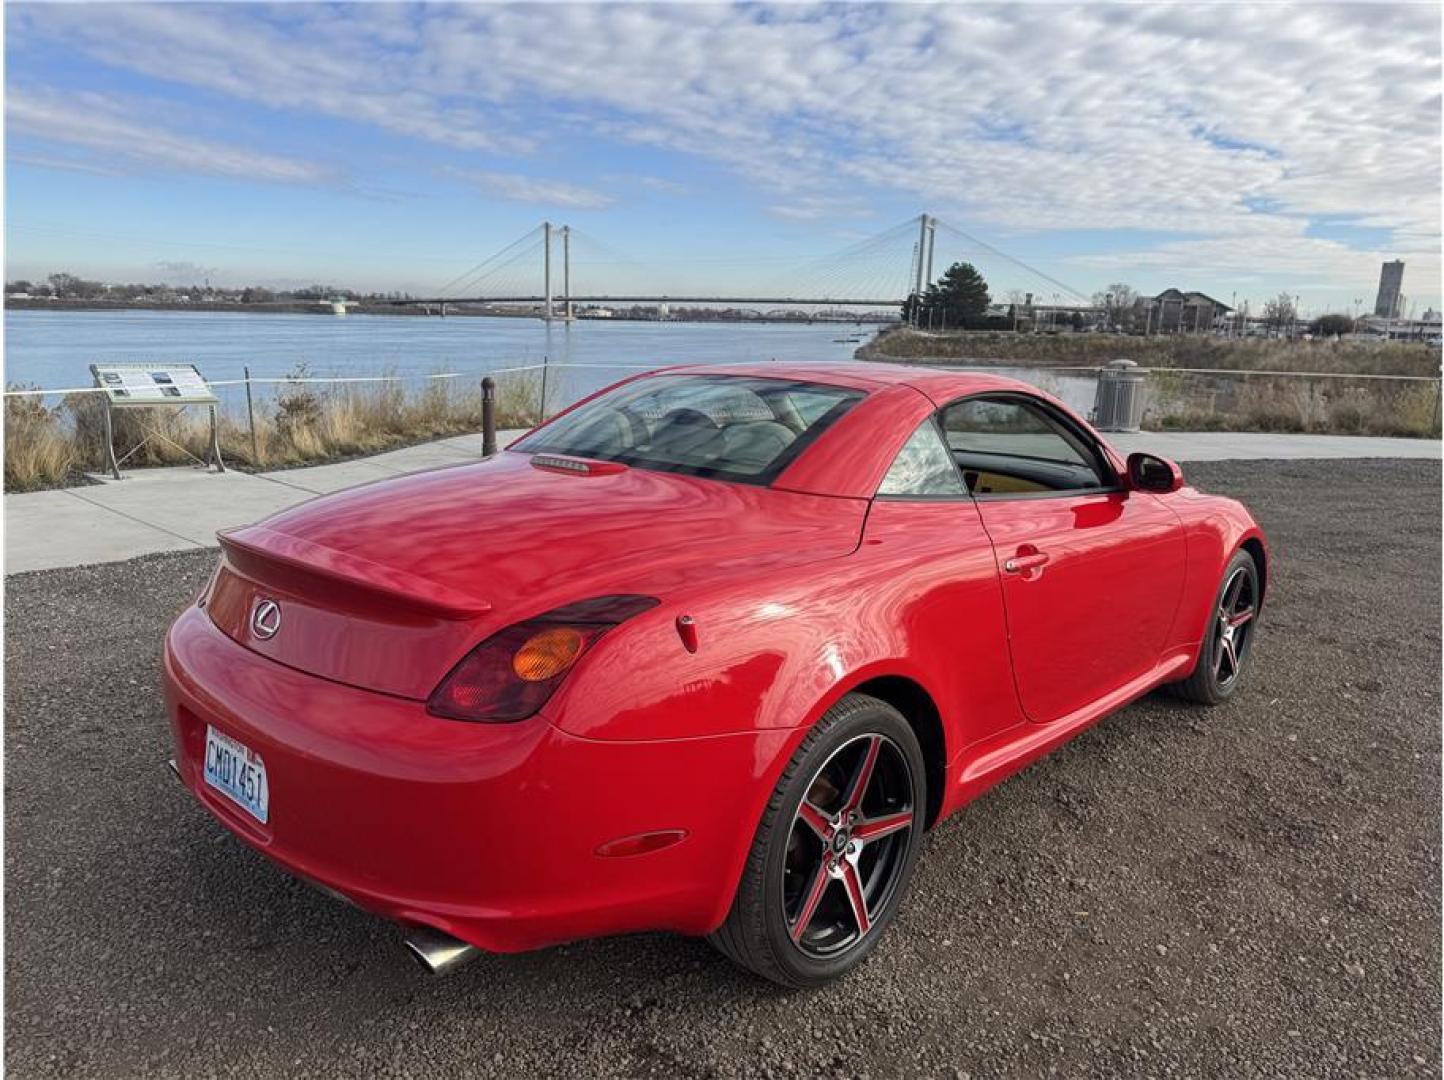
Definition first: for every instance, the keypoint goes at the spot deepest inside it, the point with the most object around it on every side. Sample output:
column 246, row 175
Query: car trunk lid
column 388, row 585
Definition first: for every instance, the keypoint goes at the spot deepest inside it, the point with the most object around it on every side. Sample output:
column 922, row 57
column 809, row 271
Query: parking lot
column 1249, row 890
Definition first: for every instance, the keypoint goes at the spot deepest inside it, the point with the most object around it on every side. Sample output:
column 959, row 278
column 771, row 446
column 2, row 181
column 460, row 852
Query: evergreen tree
column 960, row 296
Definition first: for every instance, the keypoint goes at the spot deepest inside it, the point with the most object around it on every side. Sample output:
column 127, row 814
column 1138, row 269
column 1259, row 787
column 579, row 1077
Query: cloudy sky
column 1239, row 149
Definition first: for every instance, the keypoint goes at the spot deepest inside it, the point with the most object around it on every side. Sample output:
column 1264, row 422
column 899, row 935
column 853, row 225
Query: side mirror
column 1148, row 472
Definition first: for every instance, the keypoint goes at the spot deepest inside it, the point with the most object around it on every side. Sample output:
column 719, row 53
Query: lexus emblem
column 266, row 619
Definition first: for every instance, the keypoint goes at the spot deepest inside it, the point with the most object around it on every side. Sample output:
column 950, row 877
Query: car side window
column 922, row 466
column 1011, row 446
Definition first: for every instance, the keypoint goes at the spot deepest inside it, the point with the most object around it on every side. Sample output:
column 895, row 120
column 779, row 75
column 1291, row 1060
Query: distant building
column 1174, row 311
column 1427, row 329
column 1390, row 303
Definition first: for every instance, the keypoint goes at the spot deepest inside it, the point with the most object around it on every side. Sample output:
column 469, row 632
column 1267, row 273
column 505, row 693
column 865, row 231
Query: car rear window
column 724, row 426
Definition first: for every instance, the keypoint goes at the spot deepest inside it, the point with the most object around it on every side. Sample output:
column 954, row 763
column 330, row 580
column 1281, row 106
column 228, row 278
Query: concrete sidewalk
column 179, row 509
column 183, row 508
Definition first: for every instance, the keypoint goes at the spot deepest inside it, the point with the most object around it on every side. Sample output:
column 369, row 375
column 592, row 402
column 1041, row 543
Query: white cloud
column 531, row 189
column 817, row 207
column 1233, row 123
column 109, row 137
column 354, row 63
column 658, row 184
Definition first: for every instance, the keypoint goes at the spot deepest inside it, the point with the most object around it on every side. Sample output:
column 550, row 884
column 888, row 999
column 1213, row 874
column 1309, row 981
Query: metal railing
column 1175, row 397
column 529, row 405
column 266, row 380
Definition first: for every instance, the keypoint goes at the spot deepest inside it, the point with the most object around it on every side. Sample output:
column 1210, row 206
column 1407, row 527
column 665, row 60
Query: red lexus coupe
column 707, row 652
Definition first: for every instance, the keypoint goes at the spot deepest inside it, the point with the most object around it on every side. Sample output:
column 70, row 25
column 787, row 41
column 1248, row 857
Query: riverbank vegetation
column 1174, row 351
column 305, row 424
column 71, row 287
column 1228, row 389
column 1179, row 401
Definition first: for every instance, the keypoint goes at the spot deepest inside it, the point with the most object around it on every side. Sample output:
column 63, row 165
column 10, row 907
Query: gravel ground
column 1252, row 890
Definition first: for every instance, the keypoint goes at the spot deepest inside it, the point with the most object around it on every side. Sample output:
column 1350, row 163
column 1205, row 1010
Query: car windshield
column 726, row 426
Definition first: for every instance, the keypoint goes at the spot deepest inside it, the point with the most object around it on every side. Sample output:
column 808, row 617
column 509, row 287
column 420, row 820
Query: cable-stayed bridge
column 558, row 267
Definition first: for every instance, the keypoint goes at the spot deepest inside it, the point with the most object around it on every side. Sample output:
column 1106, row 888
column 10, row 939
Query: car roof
column 939, row 384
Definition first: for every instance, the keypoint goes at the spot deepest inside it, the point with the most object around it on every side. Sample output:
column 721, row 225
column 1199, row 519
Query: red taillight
column 511, row 674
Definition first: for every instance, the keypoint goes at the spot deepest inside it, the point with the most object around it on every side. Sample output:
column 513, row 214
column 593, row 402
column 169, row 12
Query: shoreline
column 901, row 344
column 301, row 307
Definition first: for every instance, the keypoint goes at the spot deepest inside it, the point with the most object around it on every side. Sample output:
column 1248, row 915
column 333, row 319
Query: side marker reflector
column 641, row 844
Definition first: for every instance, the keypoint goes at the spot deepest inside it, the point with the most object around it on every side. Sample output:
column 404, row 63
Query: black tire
column 780, row 884
column 1223, row 657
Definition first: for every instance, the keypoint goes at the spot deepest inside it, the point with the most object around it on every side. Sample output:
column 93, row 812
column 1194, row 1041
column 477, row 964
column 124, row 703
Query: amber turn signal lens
column 547, row 654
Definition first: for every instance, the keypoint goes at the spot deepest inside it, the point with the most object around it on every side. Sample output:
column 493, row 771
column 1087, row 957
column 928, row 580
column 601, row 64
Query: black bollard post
column 488, row 416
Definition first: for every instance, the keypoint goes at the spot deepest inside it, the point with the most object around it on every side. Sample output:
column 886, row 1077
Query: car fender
column 1215, row 529
column 769, row 775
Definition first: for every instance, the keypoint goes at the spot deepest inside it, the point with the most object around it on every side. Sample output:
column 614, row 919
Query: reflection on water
column 55, row 348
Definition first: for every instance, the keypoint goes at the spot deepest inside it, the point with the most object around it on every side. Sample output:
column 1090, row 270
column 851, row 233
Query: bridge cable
column 1016, row 262
column 462, row 277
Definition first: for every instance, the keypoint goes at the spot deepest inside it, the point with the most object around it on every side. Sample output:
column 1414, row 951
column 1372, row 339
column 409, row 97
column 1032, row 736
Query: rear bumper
column 488, row 832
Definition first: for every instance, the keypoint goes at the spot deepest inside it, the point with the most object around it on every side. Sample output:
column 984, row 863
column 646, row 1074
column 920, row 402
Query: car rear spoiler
column 259, row 552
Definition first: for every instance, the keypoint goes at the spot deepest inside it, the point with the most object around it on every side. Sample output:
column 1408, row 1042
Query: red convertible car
column 707, row 652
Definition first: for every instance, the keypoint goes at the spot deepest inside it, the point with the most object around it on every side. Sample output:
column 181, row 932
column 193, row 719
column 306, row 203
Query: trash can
column 1119, row 404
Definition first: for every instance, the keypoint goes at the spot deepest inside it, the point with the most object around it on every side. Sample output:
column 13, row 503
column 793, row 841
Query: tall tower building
column 1391, row 280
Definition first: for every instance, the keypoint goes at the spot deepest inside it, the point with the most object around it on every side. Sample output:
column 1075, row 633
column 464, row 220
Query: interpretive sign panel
column 129, row 386
column 152, row 384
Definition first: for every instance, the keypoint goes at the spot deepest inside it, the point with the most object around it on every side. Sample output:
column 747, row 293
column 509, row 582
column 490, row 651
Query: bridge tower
column 932, row 239
column 547, row 269
column 923, row 254
column 567, row 273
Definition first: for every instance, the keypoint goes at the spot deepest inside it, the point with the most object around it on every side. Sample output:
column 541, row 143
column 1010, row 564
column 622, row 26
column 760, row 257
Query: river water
column 53, row 349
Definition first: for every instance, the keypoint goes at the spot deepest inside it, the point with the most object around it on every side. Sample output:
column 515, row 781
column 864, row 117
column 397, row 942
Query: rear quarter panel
column 919, row 599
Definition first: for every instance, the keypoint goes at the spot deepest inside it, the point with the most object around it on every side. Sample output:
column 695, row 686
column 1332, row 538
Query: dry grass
column 304, row 424
column 37, row 452
column 1235, row 354
column 1184, row 402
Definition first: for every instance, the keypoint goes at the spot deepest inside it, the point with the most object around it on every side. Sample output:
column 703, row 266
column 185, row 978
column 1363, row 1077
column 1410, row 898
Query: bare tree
column 1279, row 312
column 1119, row 303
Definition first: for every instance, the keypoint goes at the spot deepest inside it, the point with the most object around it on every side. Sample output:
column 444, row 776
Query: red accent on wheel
column 856, row 899
column 815, row 889
column 878, row 827
column 816, row 820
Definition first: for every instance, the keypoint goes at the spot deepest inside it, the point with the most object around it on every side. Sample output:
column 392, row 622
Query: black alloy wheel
column 1228, row 641
column 835, row 850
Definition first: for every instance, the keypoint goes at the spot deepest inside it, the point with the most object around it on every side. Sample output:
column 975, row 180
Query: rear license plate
column 238, row 773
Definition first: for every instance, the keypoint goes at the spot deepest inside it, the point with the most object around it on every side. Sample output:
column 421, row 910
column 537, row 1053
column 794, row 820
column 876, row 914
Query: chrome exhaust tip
column 174, row 768
column 438, row 953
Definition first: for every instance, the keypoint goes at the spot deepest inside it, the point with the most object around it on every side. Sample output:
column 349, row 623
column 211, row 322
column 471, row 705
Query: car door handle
column 1030, row 561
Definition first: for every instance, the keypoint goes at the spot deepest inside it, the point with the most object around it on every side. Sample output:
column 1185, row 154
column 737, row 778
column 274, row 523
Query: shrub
column 298, row 408
column 38, row 451
column 1181, row 350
